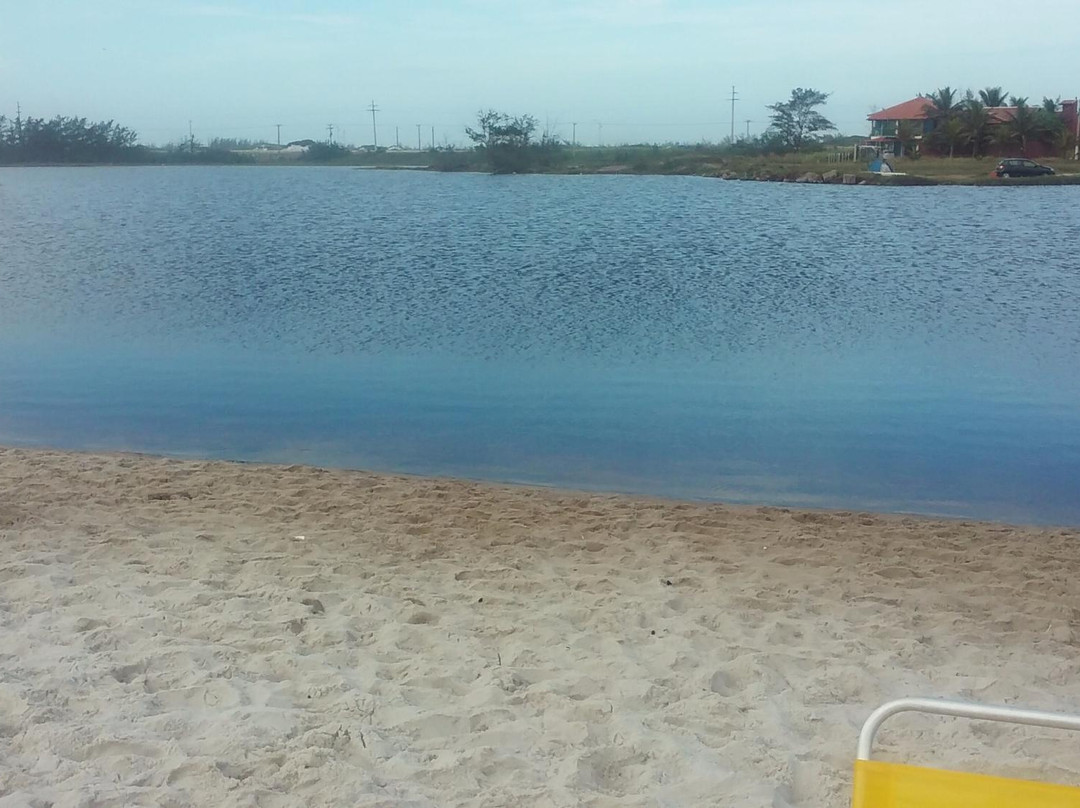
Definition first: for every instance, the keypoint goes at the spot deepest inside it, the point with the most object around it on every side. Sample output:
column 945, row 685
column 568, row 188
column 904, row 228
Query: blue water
column 907, row 349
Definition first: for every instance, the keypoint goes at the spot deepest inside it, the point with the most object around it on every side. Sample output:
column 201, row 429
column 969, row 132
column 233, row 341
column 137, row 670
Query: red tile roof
column 913, row 110
column 1001, row 114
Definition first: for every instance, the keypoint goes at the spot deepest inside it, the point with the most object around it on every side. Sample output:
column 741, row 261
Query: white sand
column 190, row 633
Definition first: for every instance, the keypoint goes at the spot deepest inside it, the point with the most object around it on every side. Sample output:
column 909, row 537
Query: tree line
column 65, row 140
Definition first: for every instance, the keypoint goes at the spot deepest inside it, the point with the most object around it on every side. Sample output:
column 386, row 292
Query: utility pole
column 330, row 129
column 573, row 140
column 397, row 137
column 419, row 147
column 278, row 125
column 374, row 131
column 18, row 122
column 433, row 138
column 734, row 98
column 191, row 137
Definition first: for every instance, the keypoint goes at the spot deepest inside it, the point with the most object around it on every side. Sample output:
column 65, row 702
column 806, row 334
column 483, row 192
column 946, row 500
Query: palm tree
column 993, row 97
column 1025, row 125
column 943, row 104
column 1001, row 138
column 1049, row 123
column 951, row 133
column 906, row 133
column 940, row 106
column 976, row 121
column 1018, row 101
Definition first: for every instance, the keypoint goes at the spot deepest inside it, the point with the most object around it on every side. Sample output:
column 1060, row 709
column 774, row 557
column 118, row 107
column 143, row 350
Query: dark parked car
column 1019, row 167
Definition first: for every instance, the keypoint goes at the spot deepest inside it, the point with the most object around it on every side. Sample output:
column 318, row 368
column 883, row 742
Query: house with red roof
column 885, row 125
column 918, row 115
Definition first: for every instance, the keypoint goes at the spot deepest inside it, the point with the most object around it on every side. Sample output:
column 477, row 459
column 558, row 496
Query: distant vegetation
column 507, row 146
column 325, row 153
column 237, row 144
column 65, row 140
column 192, row 154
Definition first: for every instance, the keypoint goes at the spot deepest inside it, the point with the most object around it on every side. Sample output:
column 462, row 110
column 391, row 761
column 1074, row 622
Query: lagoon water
column 912, row 349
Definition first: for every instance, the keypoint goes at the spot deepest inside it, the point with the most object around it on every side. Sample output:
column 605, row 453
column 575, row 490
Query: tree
column 993, row 97
column 1001, row 138
column 488, row 123
column 907, row 132
column 796, row 120
column 1048, row 123
column 976, row 122
column 941, row 108
column 943, row 104
column 951, row 133
column 1025, row 126
column 505, row 141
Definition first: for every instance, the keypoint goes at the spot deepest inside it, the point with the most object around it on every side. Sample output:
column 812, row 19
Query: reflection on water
column 906, row 349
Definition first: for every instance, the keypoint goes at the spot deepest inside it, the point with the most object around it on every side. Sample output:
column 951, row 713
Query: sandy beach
column 201, row 633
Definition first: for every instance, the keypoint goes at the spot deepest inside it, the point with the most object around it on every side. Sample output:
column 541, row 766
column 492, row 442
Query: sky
column 625, row 71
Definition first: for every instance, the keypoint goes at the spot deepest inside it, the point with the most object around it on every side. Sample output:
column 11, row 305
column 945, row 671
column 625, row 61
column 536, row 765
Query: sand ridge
column 189, row 632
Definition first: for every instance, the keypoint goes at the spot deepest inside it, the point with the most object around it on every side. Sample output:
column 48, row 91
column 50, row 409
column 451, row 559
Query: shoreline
column 133, row 458
column 228, row 633
column 857, row 178
column 511, row 484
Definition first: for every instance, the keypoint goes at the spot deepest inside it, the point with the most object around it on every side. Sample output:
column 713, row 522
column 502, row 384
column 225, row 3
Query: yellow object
column 896, row 785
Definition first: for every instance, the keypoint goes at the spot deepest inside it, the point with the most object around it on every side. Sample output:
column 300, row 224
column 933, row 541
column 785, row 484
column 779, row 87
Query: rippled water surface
column 903, row 349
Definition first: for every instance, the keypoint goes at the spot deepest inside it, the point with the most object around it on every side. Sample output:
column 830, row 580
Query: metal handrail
column 961, row 709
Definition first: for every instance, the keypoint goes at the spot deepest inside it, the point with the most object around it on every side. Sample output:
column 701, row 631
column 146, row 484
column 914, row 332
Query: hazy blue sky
column 647, row 70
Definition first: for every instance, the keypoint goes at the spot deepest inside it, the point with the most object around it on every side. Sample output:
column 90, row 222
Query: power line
column 330, row 129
